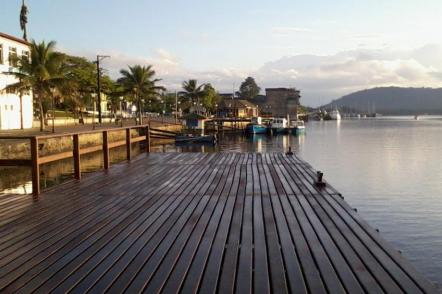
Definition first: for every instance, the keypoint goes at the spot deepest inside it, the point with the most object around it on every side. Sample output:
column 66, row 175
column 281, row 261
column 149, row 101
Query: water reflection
column 17, row 180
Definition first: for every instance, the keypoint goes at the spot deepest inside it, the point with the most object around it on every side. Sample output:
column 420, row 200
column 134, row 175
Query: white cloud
column 283, row 31
column 320, row 78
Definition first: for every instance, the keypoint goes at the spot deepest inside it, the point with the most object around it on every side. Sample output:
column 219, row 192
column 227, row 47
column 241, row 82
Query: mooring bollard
column 290, row 151
column 319, row 182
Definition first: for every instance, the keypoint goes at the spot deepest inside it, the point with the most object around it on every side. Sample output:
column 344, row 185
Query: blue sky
column 326, row 48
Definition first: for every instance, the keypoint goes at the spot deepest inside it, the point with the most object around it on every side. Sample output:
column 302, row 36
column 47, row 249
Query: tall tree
column 39, row 74
column 192, row 91
column 139, row 83
column 210, row 97
column 79, row 83
column 249, row 89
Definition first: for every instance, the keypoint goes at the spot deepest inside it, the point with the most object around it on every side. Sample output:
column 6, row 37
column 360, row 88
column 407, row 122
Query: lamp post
column 121, row 110
column 53, row 110
column 99, row 58
column 93, row 111
column 176, row 107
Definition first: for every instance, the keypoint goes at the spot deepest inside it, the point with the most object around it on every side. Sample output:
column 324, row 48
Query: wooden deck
column 220, row 222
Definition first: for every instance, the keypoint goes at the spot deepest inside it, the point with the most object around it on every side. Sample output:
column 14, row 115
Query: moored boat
column 297, row 127
column 253, row 128
column 279, row 126
column 335, row 115
column 256, row 126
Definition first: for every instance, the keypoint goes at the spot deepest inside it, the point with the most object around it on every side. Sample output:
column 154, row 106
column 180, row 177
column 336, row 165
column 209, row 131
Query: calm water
column 389, row 168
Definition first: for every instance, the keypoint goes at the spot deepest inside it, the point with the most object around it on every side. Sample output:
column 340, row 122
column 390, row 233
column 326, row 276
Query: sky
column 324, row 48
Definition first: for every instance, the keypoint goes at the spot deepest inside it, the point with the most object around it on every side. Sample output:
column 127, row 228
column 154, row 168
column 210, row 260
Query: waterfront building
column 15, row 113
column 283, row 101
column 237, row 108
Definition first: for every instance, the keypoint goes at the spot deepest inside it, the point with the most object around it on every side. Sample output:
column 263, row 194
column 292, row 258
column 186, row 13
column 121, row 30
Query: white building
column 11, row 110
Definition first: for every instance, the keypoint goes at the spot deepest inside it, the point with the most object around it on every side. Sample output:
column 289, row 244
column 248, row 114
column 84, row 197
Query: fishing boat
column 256, row 126
column 279, row 126
column 297, row 127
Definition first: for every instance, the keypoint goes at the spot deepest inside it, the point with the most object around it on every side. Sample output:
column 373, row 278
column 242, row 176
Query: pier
column 207, row 222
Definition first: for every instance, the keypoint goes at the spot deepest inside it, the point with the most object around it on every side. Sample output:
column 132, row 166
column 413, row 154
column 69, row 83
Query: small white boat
column 279, row 126
column 297, row 127
column 335, row 115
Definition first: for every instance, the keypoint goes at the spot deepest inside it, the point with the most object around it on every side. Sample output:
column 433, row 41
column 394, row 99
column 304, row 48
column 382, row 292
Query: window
column 24, row 54
column 1, row 53
column 12, row 56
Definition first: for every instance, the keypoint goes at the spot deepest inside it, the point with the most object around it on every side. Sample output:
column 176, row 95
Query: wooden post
column 105, row 150
column 35, row 167
column 147, row 139
column 76, row 153
column 128, row 145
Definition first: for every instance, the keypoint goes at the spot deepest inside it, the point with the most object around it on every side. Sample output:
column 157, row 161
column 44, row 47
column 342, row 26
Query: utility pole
column 176, row 107
column 99, row 58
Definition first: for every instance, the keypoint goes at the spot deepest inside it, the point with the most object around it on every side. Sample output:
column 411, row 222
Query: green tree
column 210, row 97
column 139, row 83
column 249, row 89
column 79, row 84
column 41, row 74
column 192, row 91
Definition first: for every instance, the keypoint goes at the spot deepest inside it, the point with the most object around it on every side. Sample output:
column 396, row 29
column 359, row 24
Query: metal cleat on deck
column 319, row 183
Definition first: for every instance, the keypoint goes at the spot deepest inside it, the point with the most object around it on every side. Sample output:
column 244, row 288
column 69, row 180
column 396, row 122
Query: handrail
column 37, row 160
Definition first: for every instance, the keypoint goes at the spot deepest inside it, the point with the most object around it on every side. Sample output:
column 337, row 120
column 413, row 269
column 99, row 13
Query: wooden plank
column 15, row 162
column 106, row 161
column 196, row 271
column 100, row 248
column 275, row 260
column 128, row 145
column 210, row 278
column 295, row 277
column 108, row 250
column 244, row 280
column 229, row 265
column 192, row 253
column 35, row 167
column 184, row 247
column 134, row 259
column 76, row 154
column 192, row 222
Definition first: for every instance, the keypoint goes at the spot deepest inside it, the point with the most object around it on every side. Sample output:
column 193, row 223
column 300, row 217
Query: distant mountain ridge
column 392, row 100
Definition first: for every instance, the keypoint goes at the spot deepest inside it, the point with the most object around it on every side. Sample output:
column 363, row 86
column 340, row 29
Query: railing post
column 105, row 150
column 76, row 153
column 35, row 167
column 128, row 145
column 147, row 139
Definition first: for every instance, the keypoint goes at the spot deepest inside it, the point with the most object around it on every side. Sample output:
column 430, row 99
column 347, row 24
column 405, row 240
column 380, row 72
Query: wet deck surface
column 221, row 222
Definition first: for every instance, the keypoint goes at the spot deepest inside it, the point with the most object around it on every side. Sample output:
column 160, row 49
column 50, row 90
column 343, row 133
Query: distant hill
column 393, row 100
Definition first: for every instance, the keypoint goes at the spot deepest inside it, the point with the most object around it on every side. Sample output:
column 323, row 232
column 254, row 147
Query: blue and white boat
column 256, row 126
column 256, row 129
column 297, row 127
column 279, row 126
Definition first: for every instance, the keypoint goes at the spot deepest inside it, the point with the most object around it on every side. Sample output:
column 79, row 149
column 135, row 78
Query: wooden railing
column 36, row 160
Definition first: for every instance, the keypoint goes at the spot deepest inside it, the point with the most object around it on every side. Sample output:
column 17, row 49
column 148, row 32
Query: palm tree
column 139, row 82
column 39, row 74
column 192, row 91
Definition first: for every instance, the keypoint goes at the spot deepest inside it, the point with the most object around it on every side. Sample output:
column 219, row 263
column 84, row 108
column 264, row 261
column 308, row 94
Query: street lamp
column 99, row 58
column 121, row 110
